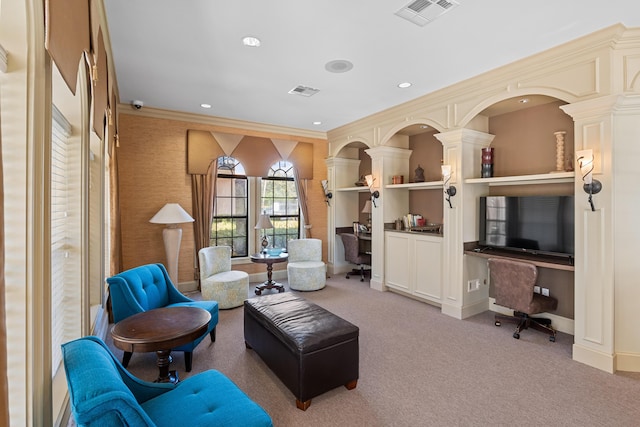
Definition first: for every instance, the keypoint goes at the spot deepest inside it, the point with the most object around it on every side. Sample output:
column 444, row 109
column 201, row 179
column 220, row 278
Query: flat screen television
column 534, row 224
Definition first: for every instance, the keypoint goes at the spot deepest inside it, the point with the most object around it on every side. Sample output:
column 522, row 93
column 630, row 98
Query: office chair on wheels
column 353, row 255
column 513, row 283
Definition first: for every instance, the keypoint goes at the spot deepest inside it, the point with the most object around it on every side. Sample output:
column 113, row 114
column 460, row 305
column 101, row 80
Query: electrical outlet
column 536, row 289
column 545, row 292
column 473, row 285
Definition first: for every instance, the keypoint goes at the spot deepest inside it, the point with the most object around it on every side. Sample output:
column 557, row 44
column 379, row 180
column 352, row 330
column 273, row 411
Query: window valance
column 67, row 36
column 256, row 154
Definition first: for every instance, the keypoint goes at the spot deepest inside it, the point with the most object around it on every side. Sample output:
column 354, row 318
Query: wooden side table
column 269, row 260
column 160, row 330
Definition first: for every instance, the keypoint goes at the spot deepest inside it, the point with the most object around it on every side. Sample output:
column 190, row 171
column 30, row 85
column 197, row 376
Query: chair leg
column 126, row 357
column 212, row 334
column 362, row 273
column 188, row 359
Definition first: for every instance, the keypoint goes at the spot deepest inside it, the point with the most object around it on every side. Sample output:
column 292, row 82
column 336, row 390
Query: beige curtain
column 4, row 383
column 203, row 196
column 302, row 201
column 114, row 201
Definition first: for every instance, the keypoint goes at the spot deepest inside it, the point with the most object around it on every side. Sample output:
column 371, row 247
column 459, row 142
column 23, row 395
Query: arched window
column 279, row 199
column 230, row 218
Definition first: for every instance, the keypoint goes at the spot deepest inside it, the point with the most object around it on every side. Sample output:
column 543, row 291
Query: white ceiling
column 176, row 55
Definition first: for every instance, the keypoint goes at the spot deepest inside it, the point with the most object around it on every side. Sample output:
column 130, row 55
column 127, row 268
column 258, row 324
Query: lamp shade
column 264, row 222
column 171, row 213
column 367, row 207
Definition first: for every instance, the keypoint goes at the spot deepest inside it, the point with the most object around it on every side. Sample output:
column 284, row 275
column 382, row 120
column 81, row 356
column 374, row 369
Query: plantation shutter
column 60, row 232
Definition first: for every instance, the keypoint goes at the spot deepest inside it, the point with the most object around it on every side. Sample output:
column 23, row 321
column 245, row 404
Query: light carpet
column 419, row 367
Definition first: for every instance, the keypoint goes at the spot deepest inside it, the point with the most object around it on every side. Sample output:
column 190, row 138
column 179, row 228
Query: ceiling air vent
column 421, row 12
column 303, row 90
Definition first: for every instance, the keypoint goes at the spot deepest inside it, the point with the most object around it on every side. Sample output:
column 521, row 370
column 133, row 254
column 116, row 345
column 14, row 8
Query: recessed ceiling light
column 424, row 127
column 251, row 41
column 205, row 105
column 317, row 123
column 523, row 100
column 404, row 85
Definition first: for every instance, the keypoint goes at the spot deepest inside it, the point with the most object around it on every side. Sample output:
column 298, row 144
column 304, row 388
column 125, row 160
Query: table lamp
column 264, row 223
column 172, row 214
column 367, row 209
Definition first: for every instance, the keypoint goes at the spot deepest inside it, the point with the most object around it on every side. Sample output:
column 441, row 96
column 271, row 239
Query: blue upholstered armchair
column 103, row 393
column 147, row 287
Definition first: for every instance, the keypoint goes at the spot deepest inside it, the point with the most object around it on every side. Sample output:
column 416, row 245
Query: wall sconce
column 449, row 190
column 591, row 186
column 374, row 193
column 325, row 188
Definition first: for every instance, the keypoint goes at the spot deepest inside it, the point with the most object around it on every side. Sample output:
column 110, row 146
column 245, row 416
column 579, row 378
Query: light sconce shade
column 327, row 193
column 172, row 214
column 374, row 193
column 264, row 223
column 449, row 189
column 591, row 186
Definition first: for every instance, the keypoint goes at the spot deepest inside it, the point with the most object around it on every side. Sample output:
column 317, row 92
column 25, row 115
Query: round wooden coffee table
column 160, row 330
column 269, row 260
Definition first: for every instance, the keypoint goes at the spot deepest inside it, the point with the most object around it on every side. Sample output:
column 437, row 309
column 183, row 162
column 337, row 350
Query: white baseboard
column 593, row 358
column 628, row 362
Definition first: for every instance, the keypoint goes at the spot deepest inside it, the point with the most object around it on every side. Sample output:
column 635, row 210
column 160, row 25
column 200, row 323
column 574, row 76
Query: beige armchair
column 305, row 269
column 218, row 282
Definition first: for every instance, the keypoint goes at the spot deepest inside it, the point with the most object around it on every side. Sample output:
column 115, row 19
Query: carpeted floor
column 419, row 367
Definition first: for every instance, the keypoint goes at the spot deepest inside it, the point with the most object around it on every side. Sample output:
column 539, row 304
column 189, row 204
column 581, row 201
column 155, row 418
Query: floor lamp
column 172, row 214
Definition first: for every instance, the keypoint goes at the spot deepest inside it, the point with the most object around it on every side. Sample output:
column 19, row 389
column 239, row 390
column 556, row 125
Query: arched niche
column 356, row 150
column 524, row 129
column 507, row 101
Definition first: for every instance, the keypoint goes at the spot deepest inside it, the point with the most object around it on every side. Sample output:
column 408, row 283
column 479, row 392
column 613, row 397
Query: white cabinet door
column 427, row 272
column 397, row 262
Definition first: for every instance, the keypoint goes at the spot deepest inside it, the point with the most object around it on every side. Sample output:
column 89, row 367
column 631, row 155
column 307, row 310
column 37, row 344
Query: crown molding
column 225, row 125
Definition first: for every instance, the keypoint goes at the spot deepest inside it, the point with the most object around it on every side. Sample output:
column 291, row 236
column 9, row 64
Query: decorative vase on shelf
column 559, row 151
column 487, row 162
column 419, row 174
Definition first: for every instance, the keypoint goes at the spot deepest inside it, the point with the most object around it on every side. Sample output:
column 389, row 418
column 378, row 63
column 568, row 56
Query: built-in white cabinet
column 413, row 264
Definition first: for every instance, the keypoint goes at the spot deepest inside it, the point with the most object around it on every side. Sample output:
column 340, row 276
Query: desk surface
column 544, row 261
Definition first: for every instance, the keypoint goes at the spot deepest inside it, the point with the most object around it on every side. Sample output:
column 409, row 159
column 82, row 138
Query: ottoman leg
column 303, row 405
column 351, row 384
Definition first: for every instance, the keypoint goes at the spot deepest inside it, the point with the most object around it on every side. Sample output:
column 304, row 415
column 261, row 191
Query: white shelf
column 363, row 189
column 543, row 178
column 417, row 185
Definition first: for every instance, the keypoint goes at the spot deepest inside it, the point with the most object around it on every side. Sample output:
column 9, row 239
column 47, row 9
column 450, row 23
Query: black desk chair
column 353, row 255
column 513, row 283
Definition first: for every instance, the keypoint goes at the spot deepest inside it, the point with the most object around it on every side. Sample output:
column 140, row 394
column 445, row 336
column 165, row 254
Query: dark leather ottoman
column 309, row 348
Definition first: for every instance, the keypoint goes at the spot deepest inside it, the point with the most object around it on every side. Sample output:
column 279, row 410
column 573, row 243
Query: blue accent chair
column 103, row 393
column 147, row 287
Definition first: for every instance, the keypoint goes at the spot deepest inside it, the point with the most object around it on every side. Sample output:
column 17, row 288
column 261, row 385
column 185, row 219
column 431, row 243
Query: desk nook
column 533, row 117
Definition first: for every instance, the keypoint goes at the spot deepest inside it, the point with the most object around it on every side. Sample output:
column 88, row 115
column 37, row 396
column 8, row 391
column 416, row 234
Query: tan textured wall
column 152, row 156
column 524, row 142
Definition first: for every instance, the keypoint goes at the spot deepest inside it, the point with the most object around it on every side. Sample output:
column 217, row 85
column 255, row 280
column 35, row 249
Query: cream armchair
column 218, row 282
column 305, row 269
